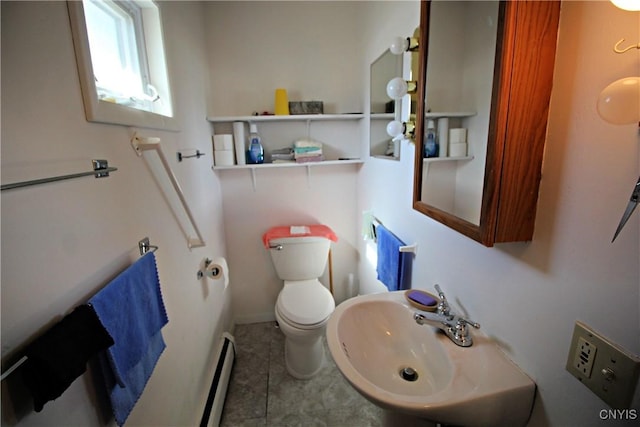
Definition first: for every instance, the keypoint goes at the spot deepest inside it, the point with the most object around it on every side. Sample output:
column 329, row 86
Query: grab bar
column 141, row 144
column 101, row 169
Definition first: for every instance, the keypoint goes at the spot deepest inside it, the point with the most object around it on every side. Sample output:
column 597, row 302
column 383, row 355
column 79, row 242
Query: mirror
column 383, row 109
column 485, row 82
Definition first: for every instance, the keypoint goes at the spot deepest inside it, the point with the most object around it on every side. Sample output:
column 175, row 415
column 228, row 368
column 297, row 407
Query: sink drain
column 408, row 374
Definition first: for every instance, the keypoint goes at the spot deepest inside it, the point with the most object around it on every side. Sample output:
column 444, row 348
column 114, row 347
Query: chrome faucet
column 454, row 326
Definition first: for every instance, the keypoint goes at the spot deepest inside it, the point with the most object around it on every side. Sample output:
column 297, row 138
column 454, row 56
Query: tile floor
column 262, row 393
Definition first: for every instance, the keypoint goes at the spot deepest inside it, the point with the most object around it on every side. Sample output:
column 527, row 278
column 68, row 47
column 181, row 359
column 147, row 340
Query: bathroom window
column 121, row 60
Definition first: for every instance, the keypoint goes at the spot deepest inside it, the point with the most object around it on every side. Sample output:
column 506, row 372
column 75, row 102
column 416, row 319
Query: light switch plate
column 607, row 369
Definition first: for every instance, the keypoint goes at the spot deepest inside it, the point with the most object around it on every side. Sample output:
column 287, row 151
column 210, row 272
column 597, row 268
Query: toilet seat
column 305, row 304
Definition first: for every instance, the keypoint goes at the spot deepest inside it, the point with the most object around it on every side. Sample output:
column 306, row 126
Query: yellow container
column 281, row 103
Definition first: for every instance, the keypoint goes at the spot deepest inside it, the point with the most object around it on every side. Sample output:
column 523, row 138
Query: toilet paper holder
column 206, row 272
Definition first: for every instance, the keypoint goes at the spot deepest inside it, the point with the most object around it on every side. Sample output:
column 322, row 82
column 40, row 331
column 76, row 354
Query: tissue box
column 306, row 107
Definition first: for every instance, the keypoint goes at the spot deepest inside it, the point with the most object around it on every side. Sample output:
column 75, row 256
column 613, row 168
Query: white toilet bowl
column 302, row 311
column 299, row 255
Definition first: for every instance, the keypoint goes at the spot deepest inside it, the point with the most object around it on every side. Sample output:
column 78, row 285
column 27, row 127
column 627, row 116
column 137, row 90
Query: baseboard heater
column 218, row 391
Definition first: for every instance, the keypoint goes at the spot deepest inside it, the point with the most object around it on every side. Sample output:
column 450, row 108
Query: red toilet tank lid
column 315, row 230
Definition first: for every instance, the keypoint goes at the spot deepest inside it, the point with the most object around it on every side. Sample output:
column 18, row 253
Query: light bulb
column 399, row 45
column 619, row 103
column 397, row 88
column 395, row 128
column 631, row 5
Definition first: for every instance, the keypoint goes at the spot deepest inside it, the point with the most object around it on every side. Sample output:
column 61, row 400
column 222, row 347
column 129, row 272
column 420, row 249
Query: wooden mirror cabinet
column 517, row 123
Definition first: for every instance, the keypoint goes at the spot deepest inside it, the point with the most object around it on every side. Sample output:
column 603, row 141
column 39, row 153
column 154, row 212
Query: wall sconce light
column 398, row 87
column 619, row 103
column 397, row 129
column 399, row 45
column 630, row 5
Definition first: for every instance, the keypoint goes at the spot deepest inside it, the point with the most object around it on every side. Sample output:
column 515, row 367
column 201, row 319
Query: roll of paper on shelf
column 239, row 139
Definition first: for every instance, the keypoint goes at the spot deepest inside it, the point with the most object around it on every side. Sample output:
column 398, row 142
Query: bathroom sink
column 374, row 338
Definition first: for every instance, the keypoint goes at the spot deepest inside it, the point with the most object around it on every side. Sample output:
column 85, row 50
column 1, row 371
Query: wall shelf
column 289, row 118
column 290, row 165
column 382, row 116
column 252, row 168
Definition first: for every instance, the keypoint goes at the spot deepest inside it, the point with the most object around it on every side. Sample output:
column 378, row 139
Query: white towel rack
column 413, row 248
column 141, row 144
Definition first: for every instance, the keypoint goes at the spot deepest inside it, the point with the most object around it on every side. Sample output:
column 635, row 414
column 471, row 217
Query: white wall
column 61, row 242
column 528, row 295
column 306, row 47
column 289, row 45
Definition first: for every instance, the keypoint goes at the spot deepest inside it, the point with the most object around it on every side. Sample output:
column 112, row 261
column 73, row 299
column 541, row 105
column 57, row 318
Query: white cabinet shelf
column 438, row 114
column 432, row 115
column 445, row 159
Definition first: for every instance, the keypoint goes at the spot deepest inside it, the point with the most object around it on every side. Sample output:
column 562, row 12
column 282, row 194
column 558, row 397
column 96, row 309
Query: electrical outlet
column 585, row 354
column 606, row 368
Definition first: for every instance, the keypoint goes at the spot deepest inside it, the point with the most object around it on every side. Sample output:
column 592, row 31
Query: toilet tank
column 299, row 258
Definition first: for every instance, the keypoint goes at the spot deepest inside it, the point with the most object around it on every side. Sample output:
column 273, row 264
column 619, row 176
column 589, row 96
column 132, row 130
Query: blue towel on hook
column 123, row 399
column 394, row 267
column 132, row 311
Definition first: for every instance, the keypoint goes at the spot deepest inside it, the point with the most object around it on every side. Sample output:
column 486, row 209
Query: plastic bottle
column 430, row 145
column 255, row 154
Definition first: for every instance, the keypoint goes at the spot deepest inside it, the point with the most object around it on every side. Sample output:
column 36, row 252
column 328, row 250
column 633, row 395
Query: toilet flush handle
column 276, row 247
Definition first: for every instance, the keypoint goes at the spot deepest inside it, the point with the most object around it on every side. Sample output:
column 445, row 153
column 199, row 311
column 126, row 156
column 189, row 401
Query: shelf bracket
column 253, row 178
column 308, row 176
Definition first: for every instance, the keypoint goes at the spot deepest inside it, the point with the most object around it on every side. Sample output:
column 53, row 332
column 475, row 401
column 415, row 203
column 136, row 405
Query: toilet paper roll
column 457, row 135
column 223, row 142
column 223, row 157
column 443, row 136
column 239, row 139
column 218, row 271
column 458, row 149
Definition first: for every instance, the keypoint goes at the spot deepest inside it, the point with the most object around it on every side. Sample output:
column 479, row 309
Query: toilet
column 303, row 307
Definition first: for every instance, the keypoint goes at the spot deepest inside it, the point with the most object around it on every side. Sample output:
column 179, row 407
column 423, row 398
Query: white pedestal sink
column 373, row 338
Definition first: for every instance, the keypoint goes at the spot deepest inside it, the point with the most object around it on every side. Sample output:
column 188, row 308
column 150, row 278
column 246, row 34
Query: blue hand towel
column 393, row 266
column 132, row 311
column 123, row 399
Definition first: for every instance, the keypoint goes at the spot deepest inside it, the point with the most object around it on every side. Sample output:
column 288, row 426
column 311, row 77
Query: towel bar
column 409, row 248
column 13, row 367
column 145, row 246
column 101, row 169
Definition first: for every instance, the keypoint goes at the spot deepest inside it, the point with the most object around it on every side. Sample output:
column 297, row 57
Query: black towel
column 60, row 355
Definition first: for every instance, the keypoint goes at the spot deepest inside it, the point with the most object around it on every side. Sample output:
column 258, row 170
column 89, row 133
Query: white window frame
column 103, row 111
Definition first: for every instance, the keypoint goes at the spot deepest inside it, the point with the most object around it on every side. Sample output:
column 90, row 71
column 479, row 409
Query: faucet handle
column 443, row 305
column 462, row 320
